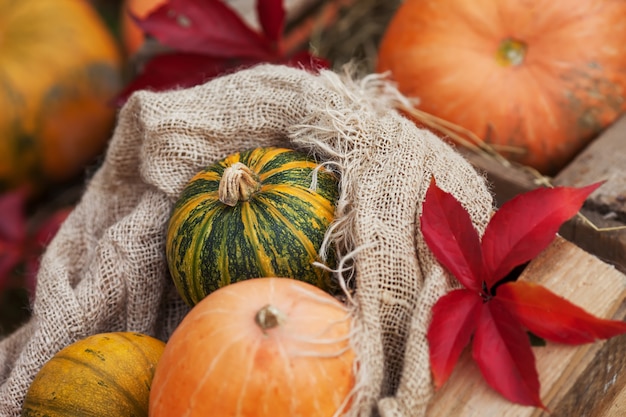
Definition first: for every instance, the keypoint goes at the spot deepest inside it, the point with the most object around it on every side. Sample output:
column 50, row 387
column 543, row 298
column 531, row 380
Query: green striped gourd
column 107, row 374
column 253, row 214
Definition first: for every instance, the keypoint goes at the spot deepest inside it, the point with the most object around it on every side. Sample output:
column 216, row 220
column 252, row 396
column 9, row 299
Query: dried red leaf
column 450, row 234
column 306, row 60
column 208, row 39
column 525, row 225
column 455, row 316
column 17, row 245
column 554, row 318
column 209, row 27
column 272, row 18
column 39, row 241
column 10, row 257
column 175, row 70
column 13, row 233
column 13, row 220
column 503, row 353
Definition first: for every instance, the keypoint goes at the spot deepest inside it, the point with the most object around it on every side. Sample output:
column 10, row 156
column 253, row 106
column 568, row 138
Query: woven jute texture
column 106, row 271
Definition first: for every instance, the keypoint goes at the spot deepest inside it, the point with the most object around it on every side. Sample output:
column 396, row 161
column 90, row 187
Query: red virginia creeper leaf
column 208, row 27
column 272, row 18
column 306, row 60
column 450, row 235
column 174, row 70
column 38, row 243
column 525, row 225
column 12, row 232
column 454, row 320
column 13, row 219
column 49, row 228
column 554, row 318
column 502, row 351
column 10, row 257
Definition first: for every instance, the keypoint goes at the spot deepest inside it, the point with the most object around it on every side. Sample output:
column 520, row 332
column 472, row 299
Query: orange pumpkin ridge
column 220, row 361
column 537, row 80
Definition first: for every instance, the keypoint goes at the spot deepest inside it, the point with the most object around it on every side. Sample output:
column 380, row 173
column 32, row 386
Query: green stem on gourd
column 511, row 52
column 269, row 317
column 238, row 183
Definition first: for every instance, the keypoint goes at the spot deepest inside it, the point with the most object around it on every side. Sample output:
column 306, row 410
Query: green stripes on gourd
column 274, row 225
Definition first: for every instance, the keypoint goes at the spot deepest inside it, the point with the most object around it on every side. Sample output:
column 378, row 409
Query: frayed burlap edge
column 385, row 162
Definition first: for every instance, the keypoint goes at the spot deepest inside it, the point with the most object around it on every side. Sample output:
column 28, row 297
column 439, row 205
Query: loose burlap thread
column 106, row 270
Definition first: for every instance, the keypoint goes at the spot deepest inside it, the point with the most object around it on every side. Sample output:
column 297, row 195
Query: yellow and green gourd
column 258, row 213
column 105, row 375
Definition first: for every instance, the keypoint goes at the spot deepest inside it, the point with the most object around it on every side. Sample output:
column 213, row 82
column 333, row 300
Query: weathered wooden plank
column 599, row 386
column 602, row 160
column 586, row 281
column 617, row 408
column 598, row 235
column 601, row 230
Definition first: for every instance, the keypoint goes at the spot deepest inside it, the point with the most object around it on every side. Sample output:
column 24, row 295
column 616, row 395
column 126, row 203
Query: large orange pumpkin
column 132, row 36
column 59, row 68
column 541, row 77
column 266, row 347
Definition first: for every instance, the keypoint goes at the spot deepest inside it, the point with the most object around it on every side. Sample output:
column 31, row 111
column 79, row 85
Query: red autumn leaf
column 209, row 27
column 38, row 243
column 525, row 226
column 13, row 233
column 451, row 236
column 454, row 320
column 272, row 18
column 13, row 220
column 175, row 69
column 207, row 39
column 502, row 351
column 554, row 318
column 305, row 59
column 519, row 231
column 18, row 245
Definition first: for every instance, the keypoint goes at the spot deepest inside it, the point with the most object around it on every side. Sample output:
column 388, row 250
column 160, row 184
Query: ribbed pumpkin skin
column 59, row 68
column 219, row 362
column 538, row 106
column 107, row 374
column 278, row 232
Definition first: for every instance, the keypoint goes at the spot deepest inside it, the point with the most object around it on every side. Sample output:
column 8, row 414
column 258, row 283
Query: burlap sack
column 106, row 269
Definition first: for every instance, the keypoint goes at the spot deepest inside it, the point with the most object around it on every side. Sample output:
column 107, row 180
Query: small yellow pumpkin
column 107, row 374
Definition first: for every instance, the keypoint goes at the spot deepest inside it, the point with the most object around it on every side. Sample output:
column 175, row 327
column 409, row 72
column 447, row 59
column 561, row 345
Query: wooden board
column 601, row 228
column 617, row 407
column 575, row 381
column 603, row 160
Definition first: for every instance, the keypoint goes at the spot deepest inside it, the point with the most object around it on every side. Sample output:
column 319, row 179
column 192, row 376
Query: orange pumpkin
column 537, row 79
column 266, row 347
column 59, row 68
column 132, row 36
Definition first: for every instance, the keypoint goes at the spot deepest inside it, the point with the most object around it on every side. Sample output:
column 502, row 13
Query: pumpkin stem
column 269, row 317
column 511, row 52
column 238, row 183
